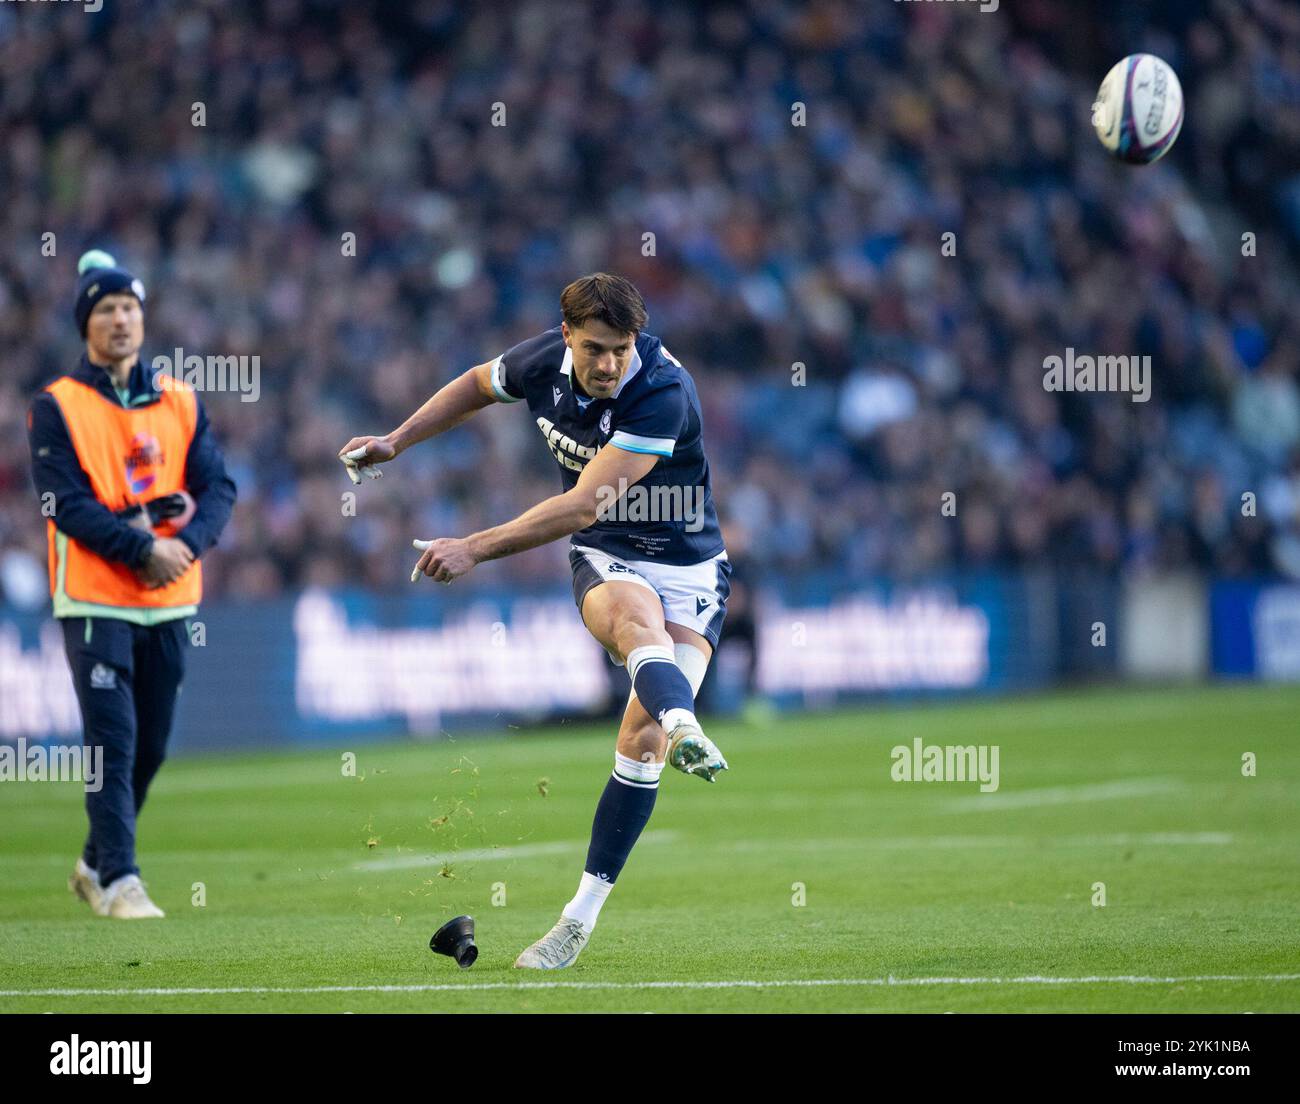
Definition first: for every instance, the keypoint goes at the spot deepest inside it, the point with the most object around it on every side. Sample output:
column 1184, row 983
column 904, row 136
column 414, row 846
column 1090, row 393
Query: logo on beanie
column 146, row 454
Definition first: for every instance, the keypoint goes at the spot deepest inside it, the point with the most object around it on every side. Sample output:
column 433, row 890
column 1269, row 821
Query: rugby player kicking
column 617, row 410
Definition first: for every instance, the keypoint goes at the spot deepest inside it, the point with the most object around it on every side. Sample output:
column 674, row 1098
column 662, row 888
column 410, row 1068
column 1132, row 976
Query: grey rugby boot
column 557, row 949
column 691, row 752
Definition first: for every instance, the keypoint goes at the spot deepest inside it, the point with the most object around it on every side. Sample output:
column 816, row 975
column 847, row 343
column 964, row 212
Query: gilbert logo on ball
column 1139, row 109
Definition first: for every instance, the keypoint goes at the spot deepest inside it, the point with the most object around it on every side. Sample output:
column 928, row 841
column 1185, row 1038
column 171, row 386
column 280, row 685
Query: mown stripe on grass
column 911, row 843
column 1062, row 795
column 516, row 851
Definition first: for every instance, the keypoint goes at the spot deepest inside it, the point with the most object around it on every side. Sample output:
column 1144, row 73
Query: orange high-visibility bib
column 132, row 455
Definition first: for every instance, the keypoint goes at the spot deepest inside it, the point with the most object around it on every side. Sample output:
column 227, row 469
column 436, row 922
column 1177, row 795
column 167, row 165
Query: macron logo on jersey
column 558, row 396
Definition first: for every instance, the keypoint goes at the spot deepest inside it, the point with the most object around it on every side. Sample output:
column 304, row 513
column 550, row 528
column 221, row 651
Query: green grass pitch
column 322, row 890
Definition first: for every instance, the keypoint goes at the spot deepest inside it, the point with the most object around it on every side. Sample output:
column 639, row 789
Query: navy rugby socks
column 621, row 814
column 660, row 685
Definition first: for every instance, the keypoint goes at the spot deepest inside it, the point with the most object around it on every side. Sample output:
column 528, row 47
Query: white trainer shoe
column 691, row 752
column 126, row 899
column 84, row 883
column 557, row 949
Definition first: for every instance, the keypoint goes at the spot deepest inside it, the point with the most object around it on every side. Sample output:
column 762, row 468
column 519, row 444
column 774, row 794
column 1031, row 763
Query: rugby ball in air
column 1139, row 109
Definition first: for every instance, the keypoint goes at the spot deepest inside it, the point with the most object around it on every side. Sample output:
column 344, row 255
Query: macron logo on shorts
column 701, row 604
column 102, row 677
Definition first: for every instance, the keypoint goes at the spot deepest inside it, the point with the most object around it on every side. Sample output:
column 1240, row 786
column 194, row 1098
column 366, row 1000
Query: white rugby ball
column 1139, row 109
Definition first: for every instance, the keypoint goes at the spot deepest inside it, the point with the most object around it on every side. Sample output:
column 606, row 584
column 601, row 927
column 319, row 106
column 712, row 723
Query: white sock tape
column 693, row 663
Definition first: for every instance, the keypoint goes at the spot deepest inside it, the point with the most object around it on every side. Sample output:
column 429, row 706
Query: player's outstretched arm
column 603, row 481
column 467, row 394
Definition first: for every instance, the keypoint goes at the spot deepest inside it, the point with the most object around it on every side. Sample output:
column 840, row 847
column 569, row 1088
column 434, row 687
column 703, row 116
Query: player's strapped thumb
column 419, row 546
column 354, row 469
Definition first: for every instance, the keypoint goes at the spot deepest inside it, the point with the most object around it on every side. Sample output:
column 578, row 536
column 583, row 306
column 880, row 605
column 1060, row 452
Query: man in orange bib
column 135, row 491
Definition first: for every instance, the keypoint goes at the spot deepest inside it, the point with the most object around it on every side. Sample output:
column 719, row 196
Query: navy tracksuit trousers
column 127, row 678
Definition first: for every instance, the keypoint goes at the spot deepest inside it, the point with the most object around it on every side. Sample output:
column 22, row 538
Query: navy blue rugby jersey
column 668, row 516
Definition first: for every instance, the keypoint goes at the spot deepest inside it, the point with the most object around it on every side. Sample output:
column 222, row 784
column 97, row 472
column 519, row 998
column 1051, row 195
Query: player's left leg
column 626, row 614
column 626, row 607
column 641, row 737
column 694, row 601
column 685, row 746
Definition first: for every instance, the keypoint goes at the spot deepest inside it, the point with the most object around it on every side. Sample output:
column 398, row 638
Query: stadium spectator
column 775, row 246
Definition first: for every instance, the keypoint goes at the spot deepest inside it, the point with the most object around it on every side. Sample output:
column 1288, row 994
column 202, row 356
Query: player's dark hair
column 611, row 299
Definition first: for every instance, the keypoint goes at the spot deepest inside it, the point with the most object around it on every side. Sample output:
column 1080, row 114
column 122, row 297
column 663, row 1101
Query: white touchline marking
column 1061, row 795
column 481, row 854
column 792, row 983
column 272, row 776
